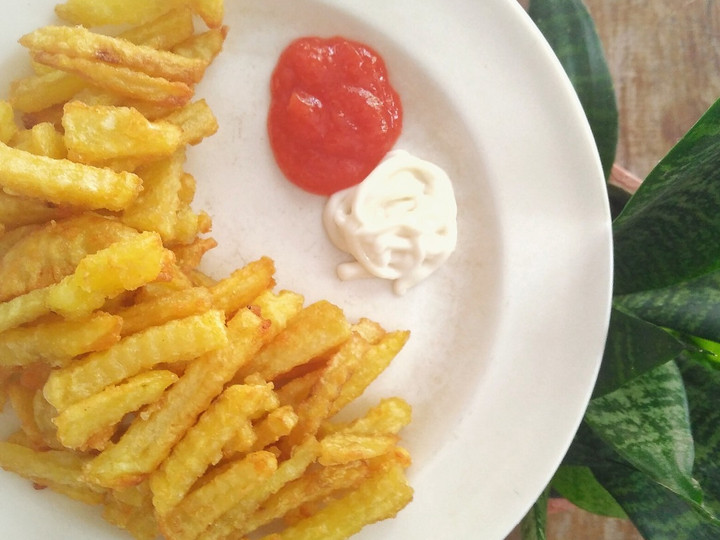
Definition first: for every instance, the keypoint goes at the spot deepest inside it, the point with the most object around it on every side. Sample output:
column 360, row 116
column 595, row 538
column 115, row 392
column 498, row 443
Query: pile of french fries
column 184, row 405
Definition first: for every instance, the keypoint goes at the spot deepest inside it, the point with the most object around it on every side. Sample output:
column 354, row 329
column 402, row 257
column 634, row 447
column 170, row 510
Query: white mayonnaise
column 400, row 223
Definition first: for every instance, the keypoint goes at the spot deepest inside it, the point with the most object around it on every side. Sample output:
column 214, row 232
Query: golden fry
column 119, row 79
column 317, row 406
column 96, row 134
column 314, row 486
column 40, row 92
column 387, row 417
column 135, row 261
column 174, row 341
column 377, row 358
column 24, row 309
column 42, row 140
column 277, row 424
column 163, row 32
column 58, row 342
column 79, row 42
column 150, row 439
column 77, row 424
column 94, row 13
column 243, row 286
column 203, row 443
column 196, row 121
column 18, row 211
column 161, row 309
column 63, row 182
column 157, row 207
column 57, row 469
column 379, row 497
column 205, row 46
column 342, row 448
column 207, row 503
column 233, row 521
column 8, row 127
column 45, row 255
column 317, row 329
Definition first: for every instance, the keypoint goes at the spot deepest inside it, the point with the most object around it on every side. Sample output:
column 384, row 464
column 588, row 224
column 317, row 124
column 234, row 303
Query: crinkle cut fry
column 181, row 340
column 379, row 497
column 64, row 182
column 149, row 440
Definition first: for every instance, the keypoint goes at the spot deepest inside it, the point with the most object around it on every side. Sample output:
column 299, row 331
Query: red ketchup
column 333, row 114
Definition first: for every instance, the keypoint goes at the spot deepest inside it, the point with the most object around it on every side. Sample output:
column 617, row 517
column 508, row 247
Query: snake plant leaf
column 691, row 307
column 658, row 513
column 668, row 232
column 570, row 31
column 633, row 347
column 702, row 381
column 647, row 423
column 578, row 485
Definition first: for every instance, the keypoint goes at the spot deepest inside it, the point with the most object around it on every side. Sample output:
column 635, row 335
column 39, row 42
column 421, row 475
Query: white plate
column 508, row 336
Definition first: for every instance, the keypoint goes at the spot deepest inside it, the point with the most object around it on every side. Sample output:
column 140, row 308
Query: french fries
column 65, row 182
column 184, row 404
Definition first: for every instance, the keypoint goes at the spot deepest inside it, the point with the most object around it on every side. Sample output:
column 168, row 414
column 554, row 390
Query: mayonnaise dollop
column 400, row 223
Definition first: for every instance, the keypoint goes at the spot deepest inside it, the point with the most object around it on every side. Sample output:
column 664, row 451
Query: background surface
column 664, row 57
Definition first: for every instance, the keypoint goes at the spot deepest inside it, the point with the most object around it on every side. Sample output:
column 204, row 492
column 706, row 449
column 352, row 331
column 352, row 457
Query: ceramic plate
column 507, row 337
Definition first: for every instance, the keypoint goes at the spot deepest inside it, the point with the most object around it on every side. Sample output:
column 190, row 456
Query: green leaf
column 570, row 31
column 702, row 383
column 647, row 423
column 659, row 513
column 633, row 347
column 691, row 307
column 668, row 232
column 579, row 486
column 656, row 512
column 533, row 525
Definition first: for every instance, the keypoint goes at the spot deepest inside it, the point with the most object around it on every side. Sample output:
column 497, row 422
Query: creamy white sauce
column 400, row 223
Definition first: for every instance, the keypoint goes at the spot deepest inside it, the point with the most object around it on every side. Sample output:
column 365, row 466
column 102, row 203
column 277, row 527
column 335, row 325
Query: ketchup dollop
column 333, row 113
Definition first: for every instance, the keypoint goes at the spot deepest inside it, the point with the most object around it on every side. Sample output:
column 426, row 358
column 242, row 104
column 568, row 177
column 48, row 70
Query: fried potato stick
column 175, row 341
column 8, row 127
column 244, row 285
column 203, row 443
column 150, row 438
column 163, row 32
column 240, row 509
column 79, row 42
column 58, row 342
column 317, row 329
column 159, row 310
column 18, row 211
column 342, row 448
column 45, row 255
column 314, row 486
column 316, row 408
column 205, row 46
column 119, row 79
column 64, row 182
column 376, row 360
column 38, row 93
column 99, row 133
column 77, row 424
column 240, row 480
column 135, row 261
column 59, row 470
column 379, row 497
column 94, row 13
